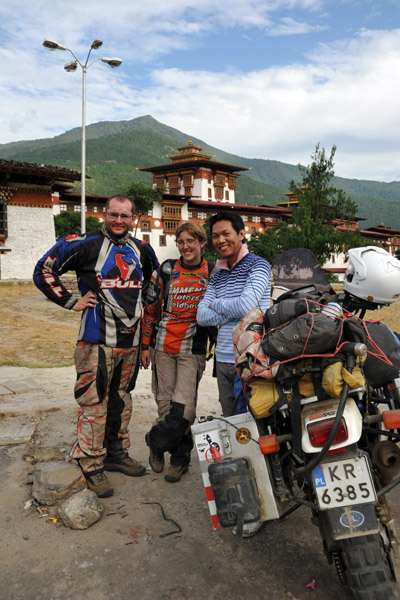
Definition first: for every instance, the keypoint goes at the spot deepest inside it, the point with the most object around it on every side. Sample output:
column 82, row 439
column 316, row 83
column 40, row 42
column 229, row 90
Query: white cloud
column 289, row 26
column 343, row 93
column 347, row 96
column 135, row 26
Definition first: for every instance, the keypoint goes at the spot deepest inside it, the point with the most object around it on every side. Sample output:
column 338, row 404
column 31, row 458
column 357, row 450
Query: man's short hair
column 194, row 229
column 120, row 198
column 225, row 215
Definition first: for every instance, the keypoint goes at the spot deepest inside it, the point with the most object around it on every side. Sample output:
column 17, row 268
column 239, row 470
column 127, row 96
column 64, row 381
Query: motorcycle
column 322, row 424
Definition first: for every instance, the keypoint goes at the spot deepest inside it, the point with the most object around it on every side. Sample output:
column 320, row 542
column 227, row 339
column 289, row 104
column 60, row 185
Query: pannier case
column 243, row 474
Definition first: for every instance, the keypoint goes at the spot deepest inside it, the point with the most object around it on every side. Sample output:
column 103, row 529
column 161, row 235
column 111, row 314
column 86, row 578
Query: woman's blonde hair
column 194, row 229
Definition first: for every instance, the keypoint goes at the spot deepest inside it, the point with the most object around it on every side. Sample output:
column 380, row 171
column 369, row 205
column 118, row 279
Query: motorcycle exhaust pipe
column 386, row 458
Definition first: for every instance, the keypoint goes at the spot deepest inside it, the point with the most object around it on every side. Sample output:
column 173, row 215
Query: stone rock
column 53, row 482
column 81, row 510
column 21, row 385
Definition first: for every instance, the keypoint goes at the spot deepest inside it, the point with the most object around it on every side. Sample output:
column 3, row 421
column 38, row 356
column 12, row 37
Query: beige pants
column 176, row 379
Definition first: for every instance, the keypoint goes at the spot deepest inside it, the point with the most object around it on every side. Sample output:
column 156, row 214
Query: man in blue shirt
column 243, row 282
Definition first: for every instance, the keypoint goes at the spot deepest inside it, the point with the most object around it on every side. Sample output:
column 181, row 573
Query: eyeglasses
column 181, row 243
column 114, row 216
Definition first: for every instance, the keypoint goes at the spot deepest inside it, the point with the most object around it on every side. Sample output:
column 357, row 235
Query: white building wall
column 56, row 206
column 162, row 252
column 30, row 234
column 338, row 262
column 157, row 210
column 200, row 189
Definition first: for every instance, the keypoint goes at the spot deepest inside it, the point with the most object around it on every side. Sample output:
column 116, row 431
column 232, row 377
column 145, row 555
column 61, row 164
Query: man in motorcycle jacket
column 113, row 270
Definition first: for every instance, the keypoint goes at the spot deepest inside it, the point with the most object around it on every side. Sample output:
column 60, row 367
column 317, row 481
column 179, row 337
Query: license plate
column 343, row 483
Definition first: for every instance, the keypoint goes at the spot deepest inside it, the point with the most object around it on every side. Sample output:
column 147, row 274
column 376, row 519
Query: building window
column 188, row 179
column 170, row 226
column 209, row 192
column 146, row 238
column 253, row 229
column 226, row 195
column 169, row 210
column 219, row 179
column 219, row 193
column 333, row 259
column 256, row 219
column 3, row 219
column 173, row 181
column 145, row 225
column 63, row 207
column 232, row 183
column 159, row 181
column 190, row 214
column 95, row 209
column 209, row 178
column 77, row 208
column 202, row 215
column 163, row 240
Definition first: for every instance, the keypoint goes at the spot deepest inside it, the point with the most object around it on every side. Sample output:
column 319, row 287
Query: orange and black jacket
column 169, row 321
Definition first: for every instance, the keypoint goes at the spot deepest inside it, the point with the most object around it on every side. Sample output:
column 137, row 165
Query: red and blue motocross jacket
column 118, row 275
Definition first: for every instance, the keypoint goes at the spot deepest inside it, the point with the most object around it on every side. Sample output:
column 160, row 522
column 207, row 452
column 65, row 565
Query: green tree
column 320, row 207
column 68, row 223
column 265, row 244
column 144, row 197
column 209, row 253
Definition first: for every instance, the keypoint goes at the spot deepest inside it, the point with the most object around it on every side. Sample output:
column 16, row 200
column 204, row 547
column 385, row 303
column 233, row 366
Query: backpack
column 297, row 328
column 383, row 359
column 289, row 347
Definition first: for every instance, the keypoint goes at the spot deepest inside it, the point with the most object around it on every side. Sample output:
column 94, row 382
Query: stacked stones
column 63, row 486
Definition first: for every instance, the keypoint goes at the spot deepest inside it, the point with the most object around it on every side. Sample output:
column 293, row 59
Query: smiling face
column 190, row 248
column 226, row 241
column 119, row 217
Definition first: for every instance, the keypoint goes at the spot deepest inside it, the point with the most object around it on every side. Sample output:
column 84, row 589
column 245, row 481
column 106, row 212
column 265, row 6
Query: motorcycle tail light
column 391, row 419
column 268, row 444
column 341, row 450
column 318, row 432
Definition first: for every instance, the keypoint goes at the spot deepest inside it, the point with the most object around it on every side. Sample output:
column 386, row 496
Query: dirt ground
column 123, row 556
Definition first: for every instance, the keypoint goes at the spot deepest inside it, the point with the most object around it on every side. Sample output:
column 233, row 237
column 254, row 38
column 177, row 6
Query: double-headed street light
column 72, row 66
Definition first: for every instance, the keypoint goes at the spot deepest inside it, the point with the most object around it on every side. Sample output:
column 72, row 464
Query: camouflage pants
column 105, row 378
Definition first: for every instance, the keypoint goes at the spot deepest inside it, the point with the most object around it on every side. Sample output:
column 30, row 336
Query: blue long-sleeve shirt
column 230, row 295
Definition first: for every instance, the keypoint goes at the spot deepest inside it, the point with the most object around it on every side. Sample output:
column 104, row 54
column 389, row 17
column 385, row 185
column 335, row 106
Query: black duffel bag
column 377, row 369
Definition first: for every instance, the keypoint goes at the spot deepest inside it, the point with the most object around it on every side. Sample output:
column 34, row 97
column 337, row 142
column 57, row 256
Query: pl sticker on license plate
column 343, row 483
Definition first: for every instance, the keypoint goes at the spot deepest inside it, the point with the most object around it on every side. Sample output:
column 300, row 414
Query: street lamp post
column 72, row 66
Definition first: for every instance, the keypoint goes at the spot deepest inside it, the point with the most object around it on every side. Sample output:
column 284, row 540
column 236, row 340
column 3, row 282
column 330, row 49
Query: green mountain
column 115, row 151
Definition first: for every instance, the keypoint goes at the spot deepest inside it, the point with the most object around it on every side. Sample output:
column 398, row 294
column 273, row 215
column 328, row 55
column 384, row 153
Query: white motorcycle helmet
column 372, row 274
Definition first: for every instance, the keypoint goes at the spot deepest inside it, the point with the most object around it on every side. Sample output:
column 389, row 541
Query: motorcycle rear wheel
column 368, row 568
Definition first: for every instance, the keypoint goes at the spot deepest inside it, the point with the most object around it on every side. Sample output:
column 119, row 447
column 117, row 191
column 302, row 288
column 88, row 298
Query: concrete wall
column 30, row 234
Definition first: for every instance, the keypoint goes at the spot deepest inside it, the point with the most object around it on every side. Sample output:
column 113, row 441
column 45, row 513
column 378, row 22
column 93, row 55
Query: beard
column 119, row 238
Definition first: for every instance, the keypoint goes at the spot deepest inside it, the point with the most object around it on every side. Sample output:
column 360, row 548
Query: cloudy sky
column 262, row 79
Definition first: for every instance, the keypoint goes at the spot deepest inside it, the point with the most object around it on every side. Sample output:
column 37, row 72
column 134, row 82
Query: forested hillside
column 117, row 150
